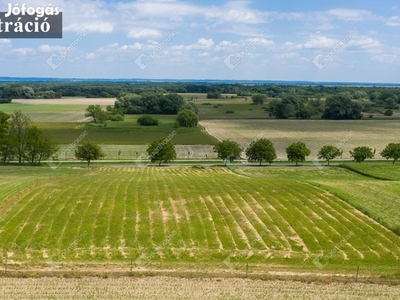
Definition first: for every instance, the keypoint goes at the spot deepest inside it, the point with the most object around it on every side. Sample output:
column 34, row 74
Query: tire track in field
column 145, row 238
column 191, row 205
column 104, row 186
column 107, row 239
column 156, row 213
column 123, row 242
column 208, row 204
column 181, row 202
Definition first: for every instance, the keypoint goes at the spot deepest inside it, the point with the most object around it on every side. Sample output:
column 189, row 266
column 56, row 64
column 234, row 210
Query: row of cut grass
column 190, row 214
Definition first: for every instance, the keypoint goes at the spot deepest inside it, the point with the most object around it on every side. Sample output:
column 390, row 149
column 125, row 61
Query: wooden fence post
column 358, row 269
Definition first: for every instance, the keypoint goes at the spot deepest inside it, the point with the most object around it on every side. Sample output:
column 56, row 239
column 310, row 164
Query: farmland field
column 315, row 133
column 182, row 288
column 55, row 110
column 65, row 122
column 183, row 215
column 16, row 179
column 377, row 198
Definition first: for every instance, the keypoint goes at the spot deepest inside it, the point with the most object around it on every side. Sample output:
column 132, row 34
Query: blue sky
column 352, row 41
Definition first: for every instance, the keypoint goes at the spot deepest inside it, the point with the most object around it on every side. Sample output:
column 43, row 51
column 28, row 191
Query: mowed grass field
column 190, row 215
column 378, row 199
column 314, row 133
column 15, row 179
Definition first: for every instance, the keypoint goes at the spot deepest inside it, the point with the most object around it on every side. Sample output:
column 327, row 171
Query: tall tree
column 391, row 151
column 341, row 107
column 5, row 146
column 361, row 153
column 18, row 133
column 161, row 150
column 187, row 118
column 89, row 151
column 297, row 152
column 259, row 98
column 228, row 150
column 261, row 150
column 95, row 112
column 329, row 152
column 38, row 146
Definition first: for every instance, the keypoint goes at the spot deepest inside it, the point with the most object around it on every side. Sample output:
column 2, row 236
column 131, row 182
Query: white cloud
column 90, row 55
column 95, row 26
column 135, row 46
column 140, row 33
column 318, row 42
column 95, row 16
column 289, row 55
column 5, row 42
column 227, row 46
column 201, row 44
column 393, row 21
column 385, row 58
column 108, row 48
column 46, row 48
column 23, row 51
column 363, row 44
column 351, row 14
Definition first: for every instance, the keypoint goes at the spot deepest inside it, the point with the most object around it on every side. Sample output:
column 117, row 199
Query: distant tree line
column 379, row 95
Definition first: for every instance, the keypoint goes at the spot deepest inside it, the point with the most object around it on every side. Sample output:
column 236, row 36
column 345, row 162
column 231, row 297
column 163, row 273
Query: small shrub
column 5, row 100
column 187, row 118
column 116, row 117
column 147, row 120
column 371, row 116
column 388, row 113
column 230, row 112
column 206, row 103
column 215, row 106
column 219, row 104
column 250, row 109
